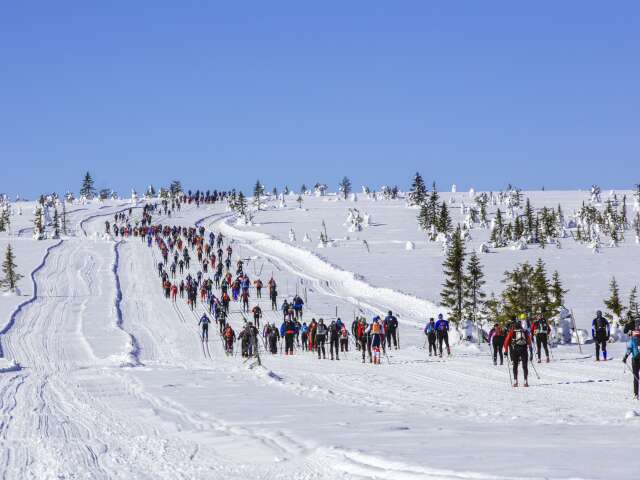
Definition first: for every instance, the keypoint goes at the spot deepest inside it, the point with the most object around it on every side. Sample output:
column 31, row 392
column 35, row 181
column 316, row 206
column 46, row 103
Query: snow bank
column 410, row 309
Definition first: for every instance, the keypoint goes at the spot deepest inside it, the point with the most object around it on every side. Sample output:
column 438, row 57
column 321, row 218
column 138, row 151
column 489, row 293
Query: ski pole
column 534, row 369
column 509, row 369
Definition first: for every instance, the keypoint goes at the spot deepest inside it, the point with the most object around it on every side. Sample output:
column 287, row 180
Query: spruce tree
column 517, row 296
column 418, row 193
column 258, row 192
column 303, row 189
column 87, row 190
column 64, row 217
column 444, row 223
column 633, row 311
column 613, row 303
column 530, row 223
column 345, row 187
column 424, row 218
column 434, row 200
column 56, row 224
column 557, row 293
column 474, row 304
column 541, row 302
column 175, row 188
column 452, row 294
column 9, row 267
column 241, row 204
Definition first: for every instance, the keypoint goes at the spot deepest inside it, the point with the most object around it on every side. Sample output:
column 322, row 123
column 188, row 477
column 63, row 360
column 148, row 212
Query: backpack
column 601, row 326
column 519, row 338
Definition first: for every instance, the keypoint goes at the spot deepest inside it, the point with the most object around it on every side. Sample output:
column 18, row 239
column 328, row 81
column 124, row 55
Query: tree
column 540, row 301
column 452, row 294
column 303, row 189
column 241, row 204
column 56, row 224
column 258, row 192
column 474, row 304
column 633, row 311
column 424, row 217
column 175, row 188
column 9, row 267
column 104, row 193
column 344, row 187
column 613, row 302
column 517, row 296
column 64, row 217
column 444, row 224
column 418, row 193
column 87, row 190
column 557, row 293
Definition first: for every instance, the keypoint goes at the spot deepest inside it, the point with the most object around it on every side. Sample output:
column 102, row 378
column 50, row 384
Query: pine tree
column 633, row 311
column 9, row 267
column 175, row 188
column 56, row 224
column 258, row 192
column 444, row 224
column 613, row 302
column 418, row 193
column 274, row 192
column 38, row 221
column 87, row 190
column 557, row 293
column 529, row 218
column 541, row 302
column 517, row 296
column 452, row 295
column 474, row 304
column 434, row 200
column 64, row 217
column 345, row 187
column 241, row 204
column 303, row 189
column 424, row 218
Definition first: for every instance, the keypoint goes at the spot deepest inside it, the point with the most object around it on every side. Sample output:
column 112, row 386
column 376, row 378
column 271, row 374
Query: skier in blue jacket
column 633, row 350
column 600, row 331
column 442, row 332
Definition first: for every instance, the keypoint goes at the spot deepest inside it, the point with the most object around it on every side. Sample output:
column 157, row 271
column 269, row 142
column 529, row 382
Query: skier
column 442, row 332
column 600, row 332
column 363, row 338
column 304, row 334
column 344, row 339
column 430, row 332
column 541, row 331
column 257, row 315
column 273, row 295
column 258, row 284
column 391, row 323
column 229, row 337
column 496, row 340
column 518, row 341
column 321, row 336
column 334, row 338
column 633, row 349
column 204, row 321
column 288, row 331
column 376, row 339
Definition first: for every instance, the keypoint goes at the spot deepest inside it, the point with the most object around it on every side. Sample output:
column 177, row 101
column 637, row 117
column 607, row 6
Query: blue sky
column 219, row 94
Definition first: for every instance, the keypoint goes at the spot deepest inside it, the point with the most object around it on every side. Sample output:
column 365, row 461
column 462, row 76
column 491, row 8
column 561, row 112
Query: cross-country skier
column 391, row 323
column 204, row 321
column 334, row 339
column 496, row 340
column 541, row 332
column 229, row 337
column 376, row 339
column 321, row 337
column 518, row 341
column 600, row 332
column 430, row 332
column 442, row 332
column 633, row 350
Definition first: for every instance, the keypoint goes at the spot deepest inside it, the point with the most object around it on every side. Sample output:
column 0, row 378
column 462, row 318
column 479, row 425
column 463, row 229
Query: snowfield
column 102, row 377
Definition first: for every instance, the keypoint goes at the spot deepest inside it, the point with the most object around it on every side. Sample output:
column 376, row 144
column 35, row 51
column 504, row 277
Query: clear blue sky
column 219, row 94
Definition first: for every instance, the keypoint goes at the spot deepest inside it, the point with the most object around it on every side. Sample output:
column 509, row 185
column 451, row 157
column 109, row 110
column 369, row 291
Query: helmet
column 390, row 313
column 523, row 316
column 599, row 313
column 321, row 320
column 440, row 316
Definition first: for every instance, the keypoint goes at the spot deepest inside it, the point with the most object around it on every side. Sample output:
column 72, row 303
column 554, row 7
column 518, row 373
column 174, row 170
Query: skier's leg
column 597, row 349
column 635, row 367
column 538, row 347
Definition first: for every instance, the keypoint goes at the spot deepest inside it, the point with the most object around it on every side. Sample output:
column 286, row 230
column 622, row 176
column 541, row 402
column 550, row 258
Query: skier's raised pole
column 573, row 321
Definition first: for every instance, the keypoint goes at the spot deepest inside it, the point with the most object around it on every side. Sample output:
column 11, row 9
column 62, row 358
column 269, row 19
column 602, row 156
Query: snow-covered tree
column 344, row 187
column 56, row 224
column 452, row 294
column 633, row 311
column 258, row 192
column 88, row 191
column 9, row 269
column 474, row 303
column 557, row 293
column 175, row 188
column 418, row 193
column 444, row 223
column 613, row 303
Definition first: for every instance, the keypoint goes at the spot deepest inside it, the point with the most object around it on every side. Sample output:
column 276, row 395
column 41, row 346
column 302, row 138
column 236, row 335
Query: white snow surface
column 102, row 377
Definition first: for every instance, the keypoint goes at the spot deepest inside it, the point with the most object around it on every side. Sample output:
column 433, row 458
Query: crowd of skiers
column 181, row 246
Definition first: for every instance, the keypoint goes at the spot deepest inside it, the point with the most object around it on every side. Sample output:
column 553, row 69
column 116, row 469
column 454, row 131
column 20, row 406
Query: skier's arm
column 507, row 341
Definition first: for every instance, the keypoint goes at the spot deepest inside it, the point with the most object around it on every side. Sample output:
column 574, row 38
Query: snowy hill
column 104, row 377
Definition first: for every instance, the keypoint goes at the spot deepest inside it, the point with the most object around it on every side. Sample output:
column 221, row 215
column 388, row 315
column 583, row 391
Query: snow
column 102, row 377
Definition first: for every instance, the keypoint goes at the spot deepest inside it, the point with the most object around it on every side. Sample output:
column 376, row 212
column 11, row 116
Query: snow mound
column 410, row 246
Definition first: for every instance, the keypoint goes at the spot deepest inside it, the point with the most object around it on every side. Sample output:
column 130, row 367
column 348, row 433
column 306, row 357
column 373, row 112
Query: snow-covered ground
column 115, row 382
